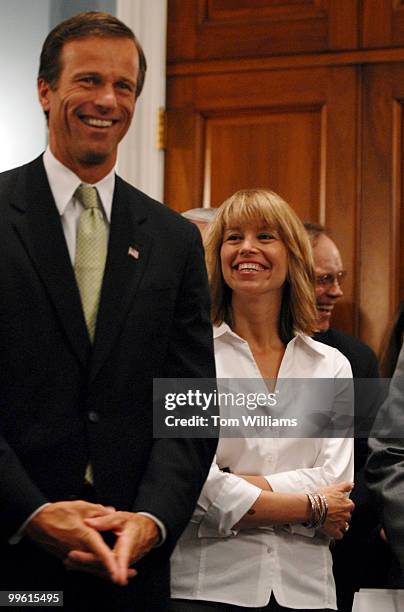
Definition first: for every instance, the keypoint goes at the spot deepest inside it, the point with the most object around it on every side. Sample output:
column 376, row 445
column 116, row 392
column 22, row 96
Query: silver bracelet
column 319, row 510
column 324, row 504
column 313, row 522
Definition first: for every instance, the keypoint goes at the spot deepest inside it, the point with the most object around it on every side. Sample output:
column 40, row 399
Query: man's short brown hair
column 84, row 25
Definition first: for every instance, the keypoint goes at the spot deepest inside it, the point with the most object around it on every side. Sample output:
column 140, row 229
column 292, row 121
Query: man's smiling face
column 327, row 261
column 91, row 107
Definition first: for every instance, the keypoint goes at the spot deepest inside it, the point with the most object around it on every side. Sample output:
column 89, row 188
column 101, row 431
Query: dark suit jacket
column 62, row 402
column 364, row 364
column 360, row 559
column 385, row 468
column 361, row 357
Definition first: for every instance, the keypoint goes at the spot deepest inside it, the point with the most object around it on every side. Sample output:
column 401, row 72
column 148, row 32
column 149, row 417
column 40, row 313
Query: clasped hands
column 71, row 531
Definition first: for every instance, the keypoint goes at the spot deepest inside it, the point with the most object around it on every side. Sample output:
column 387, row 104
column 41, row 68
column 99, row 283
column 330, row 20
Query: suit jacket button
column 93, row 416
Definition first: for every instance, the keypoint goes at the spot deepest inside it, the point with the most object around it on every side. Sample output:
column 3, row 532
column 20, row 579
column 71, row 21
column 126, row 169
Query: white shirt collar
column 63, row 183
column 317, row 347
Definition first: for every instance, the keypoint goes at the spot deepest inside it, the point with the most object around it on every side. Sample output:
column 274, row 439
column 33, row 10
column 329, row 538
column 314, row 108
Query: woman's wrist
column 307, row 506
column 318, row 510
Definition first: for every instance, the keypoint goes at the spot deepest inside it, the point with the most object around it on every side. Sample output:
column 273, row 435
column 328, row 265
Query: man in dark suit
column 102, row 290
column 361, row 558
column 385, row 469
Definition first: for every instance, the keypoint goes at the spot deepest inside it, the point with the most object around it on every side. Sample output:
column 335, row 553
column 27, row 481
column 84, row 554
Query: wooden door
column 382, row 23
column 293, row 131
column 218, row 29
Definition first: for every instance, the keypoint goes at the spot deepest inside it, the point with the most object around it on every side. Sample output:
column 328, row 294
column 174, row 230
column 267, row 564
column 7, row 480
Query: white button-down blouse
column 214, row 562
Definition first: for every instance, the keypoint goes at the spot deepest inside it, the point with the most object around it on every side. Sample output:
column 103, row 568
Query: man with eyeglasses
column 330, row 275
column 361, row 559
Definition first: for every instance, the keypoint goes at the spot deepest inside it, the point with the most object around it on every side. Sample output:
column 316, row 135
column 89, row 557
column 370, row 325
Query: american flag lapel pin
column 133, row 252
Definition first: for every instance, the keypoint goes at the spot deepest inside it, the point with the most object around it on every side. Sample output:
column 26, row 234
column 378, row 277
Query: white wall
column 62, row 9
column 139, row 160
column 23, row 27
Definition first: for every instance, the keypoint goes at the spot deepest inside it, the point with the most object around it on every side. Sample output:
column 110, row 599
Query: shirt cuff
column 160, row 525
column 17, row 537
column 287, row 482
column 233, row 501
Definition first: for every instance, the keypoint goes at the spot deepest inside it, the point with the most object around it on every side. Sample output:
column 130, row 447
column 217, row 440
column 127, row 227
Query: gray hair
column 203, row 215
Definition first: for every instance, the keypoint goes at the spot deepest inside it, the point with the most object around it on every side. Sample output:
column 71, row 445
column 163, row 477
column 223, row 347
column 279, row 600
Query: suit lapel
column 39, row 228
column 123, row 270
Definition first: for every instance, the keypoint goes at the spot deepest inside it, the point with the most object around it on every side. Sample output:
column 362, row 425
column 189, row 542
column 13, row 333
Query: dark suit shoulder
column 362, row 358
column 8, row 180
column 11, row 182
column 156, row 212
column 10, row 176
column 16, row 183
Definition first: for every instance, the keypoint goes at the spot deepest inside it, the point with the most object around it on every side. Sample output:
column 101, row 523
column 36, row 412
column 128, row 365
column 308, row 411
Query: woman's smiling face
column 254, row 259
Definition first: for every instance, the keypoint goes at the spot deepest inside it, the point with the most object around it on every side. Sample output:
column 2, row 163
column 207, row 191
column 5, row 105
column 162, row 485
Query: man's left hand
column 136, row 536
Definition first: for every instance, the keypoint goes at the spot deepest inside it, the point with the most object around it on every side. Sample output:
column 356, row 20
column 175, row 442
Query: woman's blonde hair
column 264, row 207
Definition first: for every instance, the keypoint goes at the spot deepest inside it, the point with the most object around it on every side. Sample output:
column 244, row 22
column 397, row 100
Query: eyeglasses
column 328, row 280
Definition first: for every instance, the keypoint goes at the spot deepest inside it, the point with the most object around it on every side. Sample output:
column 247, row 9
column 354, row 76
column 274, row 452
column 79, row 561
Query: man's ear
column 43, row 93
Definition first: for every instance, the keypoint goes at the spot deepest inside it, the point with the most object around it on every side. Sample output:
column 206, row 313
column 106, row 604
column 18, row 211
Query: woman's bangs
column 250, row 211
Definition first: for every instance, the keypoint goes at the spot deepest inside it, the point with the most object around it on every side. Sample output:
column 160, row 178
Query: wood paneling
column 284, row 62
column 305, row 97
column 382, row 249
column 231, row 10
column 278, row 150
column 184, row 160
column 237, row 28
column 382, row 23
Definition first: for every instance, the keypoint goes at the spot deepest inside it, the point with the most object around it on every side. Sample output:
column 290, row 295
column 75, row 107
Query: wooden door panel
column 218, row 29
column 292, row 131
column 234, row 9
column 184, row 160
column 268, row 147
column 382, row 23
column 382, row 210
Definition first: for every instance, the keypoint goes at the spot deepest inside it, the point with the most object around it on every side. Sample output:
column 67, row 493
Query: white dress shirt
column 63, row 183
column 213, row 561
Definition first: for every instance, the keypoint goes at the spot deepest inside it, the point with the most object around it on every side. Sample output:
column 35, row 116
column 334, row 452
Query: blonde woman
column 246, row 545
